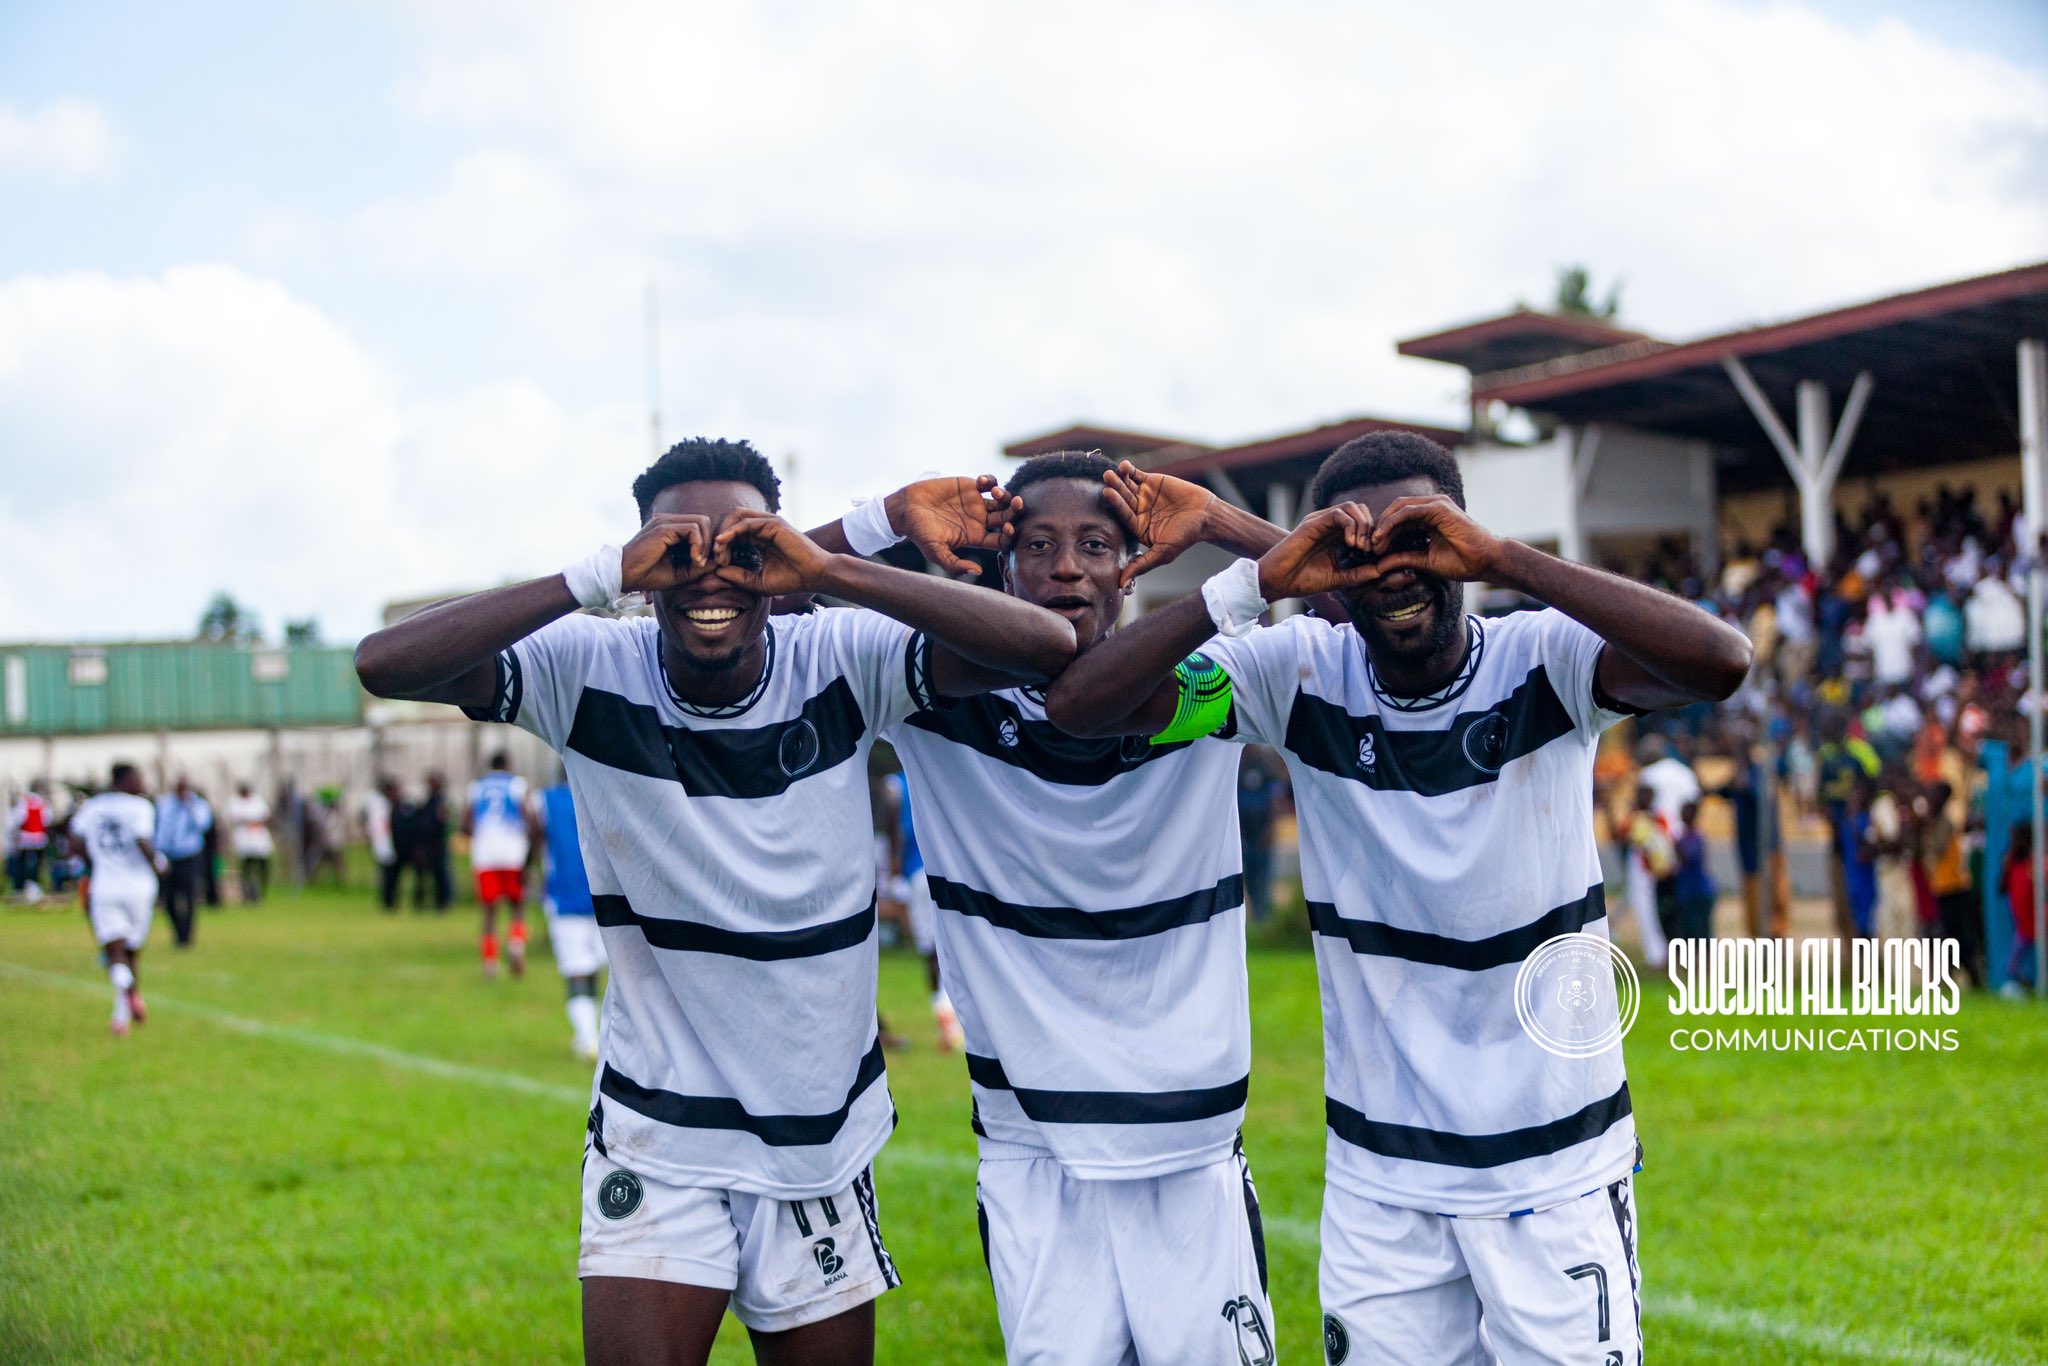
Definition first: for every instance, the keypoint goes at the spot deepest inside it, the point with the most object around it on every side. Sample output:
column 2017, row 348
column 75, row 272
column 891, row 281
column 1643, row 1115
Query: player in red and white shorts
column 501, row 838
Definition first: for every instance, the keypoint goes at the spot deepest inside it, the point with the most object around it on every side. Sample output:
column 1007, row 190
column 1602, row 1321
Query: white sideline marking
column 1753, row 1324
column 328, row 1043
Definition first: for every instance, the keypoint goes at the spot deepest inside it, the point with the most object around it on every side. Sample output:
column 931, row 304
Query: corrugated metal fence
column 178, row 686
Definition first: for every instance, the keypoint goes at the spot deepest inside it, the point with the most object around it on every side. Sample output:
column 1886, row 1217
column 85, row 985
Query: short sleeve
column 541, row 678
column 1570, row 652
column 1264, row 668
column 883, row 660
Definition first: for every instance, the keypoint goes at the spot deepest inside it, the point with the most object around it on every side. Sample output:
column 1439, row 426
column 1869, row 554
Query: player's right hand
column 1166, row 514
column 1330, row 551
column 944, row 516
column 672, row 548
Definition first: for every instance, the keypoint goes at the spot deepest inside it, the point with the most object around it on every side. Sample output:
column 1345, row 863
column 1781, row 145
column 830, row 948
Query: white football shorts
column 786, row 1262
column 122, row 916
column 577, row 942
column 1560, row 1284
column 1164, row 1268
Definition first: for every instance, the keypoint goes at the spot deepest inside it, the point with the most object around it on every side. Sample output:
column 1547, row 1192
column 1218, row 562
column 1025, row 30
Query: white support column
column 1581, row 448
column 1815, row 459
column 1280, row 505
column 2033, row 359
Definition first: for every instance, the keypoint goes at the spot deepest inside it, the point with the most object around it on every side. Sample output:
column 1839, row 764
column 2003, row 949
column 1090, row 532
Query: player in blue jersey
column 500, row 831
column 572, row 918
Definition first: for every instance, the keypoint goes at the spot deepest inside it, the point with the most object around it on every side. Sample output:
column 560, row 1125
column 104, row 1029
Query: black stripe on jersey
column 1471, row 752
column 723, row 1112
column 993, row 726
column 1065, row 922
column 1475, row 1150
column 757, row 761
column 1473, row 955
column 1111, row 1107
column 762, row 946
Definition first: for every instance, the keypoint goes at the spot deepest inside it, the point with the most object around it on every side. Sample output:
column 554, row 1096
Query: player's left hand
column 1166, row 514
column 1433, row 535
column 761, row 553
column 944, row 516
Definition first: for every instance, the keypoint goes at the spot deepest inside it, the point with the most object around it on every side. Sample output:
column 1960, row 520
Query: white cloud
column 65, row 139
column 894, row 234
column 205, row 430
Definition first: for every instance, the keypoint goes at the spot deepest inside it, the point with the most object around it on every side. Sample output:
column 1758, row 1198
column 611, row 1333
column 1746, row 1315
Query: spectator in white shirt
column 249, row 820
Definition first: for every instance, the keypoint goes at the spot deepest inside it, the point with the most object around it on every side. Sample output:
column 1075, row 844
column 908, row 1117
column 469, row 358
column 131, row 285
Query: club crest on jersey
column 619, row 1195
column 1336, row 1342
column 1007, row 733
column 1486, row 742
column 1367, row 755
column 799, row 747
column 831, row 1265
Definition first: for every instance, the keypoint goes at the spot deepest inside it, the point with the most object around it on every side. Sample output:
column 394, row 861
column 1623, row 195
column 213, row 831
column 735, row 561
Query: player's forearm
column 1693, row 653
column 1240, row 532
column 443, row 642
column 991, row 629
column 1104, row 692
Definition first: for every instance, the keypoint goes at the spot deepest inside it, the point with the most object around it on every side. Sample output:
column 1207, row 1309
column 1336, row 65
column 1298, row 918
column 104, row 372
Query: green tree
column 1575, row 295
column 302, row 633
column 227, row 622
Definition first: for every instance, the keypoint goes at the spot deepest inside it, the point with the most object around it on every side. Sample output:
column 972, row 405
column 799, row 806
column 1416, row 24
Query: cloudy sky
column 327, row 304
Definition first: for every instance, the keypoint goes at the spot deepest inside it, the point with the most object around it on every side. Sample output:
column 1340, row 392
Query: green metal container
column 182, row 685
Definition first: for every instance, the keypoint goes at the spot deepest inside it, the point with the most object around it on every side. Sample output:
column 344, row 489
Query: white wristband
column 867, row 527
column 595, row 581
column 1233, row 598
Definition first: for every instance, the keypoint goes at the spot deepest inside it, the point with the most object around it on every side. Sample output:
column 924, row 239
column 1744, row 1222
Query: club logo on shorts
column 1007, row 733
column 831, row 1265
column 1577, row 995
column 1486, row 742
column 1367, row 755
column 1336, row 1342
column 799, row 747
column 619, row 1195
column 1254, row 1343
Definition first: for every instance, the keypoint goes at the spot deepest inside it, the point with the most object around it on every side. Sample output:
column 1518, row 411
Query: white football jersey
column 497, row 822
column 727, row 850
column 110, row 825
column 1440, row 845
column 1090, row 929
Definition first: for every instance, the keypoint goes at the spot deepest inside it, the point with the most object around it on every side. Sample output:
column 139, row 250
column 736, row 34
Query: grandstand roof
column 1086, row 437
column 1310, row 445
column 1942, row 362
column 1520, row 337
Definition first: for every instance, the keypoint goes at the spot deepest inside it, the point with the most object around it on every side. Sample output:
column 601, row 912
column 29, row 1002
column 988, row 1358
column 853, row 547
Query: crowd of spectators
column 1879, row 675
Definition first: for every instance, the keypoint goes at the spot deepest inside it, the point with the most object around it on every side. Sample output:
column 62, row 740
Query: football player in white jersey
column 112, row 832
column 1478, row 1202
column 717, row 757
column 1103, row 998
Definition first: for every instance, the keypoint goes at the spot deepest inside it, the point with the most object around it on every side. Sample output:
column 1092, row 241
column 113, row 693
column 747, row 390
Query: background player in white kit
column 718, row 758
column 113, row 831
column 499, row 822
column 1094, row 950
column 1478, row 1201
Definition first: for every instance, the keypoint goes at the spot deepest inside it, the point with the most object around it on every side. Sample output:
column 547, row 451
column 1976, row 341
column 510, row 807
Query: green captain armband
column 1204, row 706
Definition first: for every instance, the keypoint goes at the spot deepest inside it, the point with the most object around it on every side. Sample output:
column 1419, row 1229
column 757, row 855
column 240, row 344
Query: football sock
column 490, row 949
column 583, row 1020
column 123, row 978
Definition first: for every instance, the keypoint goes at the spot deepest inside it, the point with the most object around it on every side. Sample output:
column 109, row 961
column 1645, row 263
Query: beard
column 1445, row 629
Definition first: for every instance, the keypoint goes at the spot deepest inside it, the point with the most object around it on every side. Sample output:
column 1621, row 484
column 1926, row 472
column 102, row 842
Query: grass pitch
column 333, row 1141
